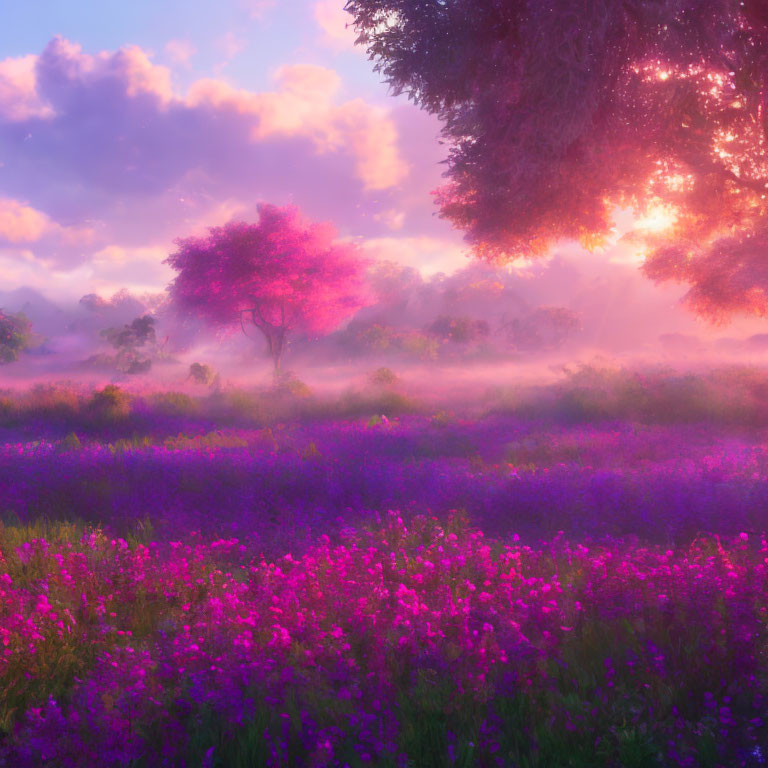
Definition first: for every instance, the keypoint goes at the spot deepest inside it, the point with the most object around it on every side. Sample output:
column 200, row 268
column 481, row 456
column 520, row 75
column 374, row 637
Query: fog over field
column 618, row 319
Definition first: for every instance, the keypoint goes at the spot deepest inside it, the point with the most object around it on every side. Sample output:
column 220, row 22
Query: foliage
column 110, row 403
column 412, row 640
column 733, row 396
column 372, row 336
column 545, row 328
column 15, row 336
column 202, row 373
column 375, row 337
column 555, row 114
column 288, row 383
column 460, row 330
column 384, row 377
column 135, row 344
column 212, row 440
column 139, row 332
column 70, row 442
column 726, row 273
column 419, row 345
column 175, row 404
column 281, row 276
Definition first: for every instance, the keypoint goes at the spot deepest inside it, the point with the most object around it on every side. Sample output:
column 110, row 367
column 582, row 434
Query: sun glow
column 633, row 230
column 657, row 219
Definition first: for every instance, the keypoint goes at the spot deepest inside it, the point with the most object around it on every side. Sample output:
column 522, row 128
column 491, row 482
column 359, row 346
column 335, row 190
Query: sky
column 124, row 126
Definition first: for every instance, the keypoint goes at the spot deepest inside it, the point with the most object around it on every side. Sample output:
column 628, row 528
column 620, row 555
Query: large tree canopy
column 278, row 276
column 557, row 112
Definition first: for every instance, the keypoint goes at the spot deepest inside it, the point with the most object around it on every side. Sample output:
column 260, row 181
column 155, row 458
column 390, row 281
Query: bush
column 200, row 373
column 53, row 404
column 70, row 443
column 8, row 411
column 110, row 404
column 384, row 377
column 15, row 336
column 175, row 404
column 387, row 403
column 289, row 384
column 236, row 405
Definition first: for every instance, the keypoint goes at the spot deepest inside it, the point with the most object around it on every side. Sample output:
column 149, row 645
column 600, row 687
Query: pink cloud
column 305, row 106
column 257, row 8
column 64, row 70
column 20, row 223
column 139, row 269
column 393, row 218
column 98, row 152
column 180, row 52
column 19, row 99
column 230, row 45
column 335, row 23
column 308, row 81
column 373, row 138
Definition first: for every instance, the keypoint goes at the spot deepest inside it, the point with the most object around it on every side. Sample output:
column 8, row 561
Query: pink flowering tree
column 281, row 276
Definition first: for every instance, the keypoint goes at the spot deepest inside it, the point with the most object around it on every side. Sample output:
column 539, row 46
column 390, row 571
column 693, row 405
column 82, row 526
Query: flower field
column 428, row 590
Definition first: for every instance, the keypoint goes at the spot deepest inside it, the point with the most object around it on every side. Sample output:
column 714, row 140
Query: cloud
column 20, row 268
column 103, row 152
column 64, row 75
column 257, row 8
column 138, row 269
column 21, row 224
column 393, row 218
column 19, row 99
column 333, row 20
column 373, row 138
column 180, row 52
column 304, row 106
column 110, row 269
column 230, row 45
column 430, row 254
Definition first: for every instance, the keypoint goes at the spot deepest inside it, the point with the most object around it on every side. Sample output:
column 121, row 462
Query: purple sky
column 123, row 127
column 112, row 147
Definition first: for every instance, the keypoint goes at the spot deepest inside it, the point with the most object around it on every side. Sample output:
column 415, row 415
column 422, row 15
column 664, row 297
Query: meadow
column 570, row 575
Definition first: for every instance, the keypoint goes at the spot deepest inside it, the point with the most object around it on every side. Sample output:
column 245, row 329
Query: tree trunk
column 275, row 342
column 275, row 335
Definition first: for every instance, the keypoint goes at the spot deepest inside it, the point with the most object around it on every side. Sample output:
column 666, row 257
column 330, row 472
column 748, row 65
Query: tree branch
column 755, row 185
column 242, row 326
column 257, row 310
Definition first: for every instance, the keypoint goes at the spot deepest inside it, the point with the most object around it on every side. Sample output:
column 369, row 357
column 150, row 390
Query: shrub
column 110, row 404
column 384, row 377
column 70, row 443
column 15, row 336
column 200, row 373
column 8, row 410
column 52, row 404
column 175, row 404
column 459, row 330
column 237, row 405
column 289, row 384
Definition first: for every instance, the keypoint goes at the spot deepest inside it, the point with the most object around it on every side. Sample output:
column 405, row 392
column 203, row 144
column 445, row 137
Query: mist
column 478, row 326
